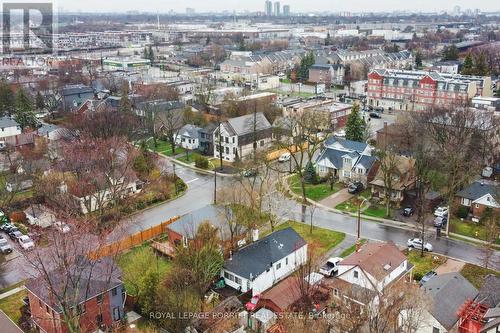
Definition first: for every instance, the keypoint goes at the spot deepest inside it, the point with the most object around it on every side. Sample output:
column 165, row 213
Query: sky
column 258, row 5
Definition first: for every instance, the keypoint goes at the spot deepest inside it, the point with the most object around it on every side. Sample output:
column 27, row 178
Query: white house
column 239, row 135
column 188, row 137
column 8, row 127
column 348, row 160
column 260, row 265
column 40, row 215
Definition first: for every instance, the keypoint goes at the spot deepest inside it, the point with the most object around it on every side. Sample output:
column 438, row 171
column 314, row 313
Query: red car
column 252, row 304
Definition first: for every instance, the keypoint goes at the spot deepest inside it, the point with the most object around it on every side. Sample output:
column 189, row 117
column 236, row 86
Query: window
column 286, row 261
column 262, row 143
column 114, row 291
column 237, row 280
column 227, row 139
column 278, row 266
column 355, row 274
column 336, row 292
column 99, row 299
column 233, row 139
column 116, row 313
column 227, row 150
column 435, row 330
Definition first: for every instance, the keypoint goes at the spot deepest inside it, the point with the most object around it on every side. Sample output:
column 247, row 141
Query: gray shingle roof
column 448, row 292
column 188, row 224
column 245, row 124
column 77, row 89
column 478, row 189
column 490, row 291
column 254, row 259
column 366, row 161
column 189, row 130
column 347, row 144
column 7, row 122
column 334, row 156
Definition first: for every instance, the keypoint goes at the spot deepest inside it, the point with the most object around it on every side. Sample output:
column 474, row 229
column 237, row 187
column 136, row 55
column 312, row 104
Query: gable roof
column 245, row 124
column 252, row 260
column 332, row 155
column 285, row 293
column 190, row 130
column 366, row 161
column 346, row 144
column 490, row 291
column 478, row 189
column 377, row 259
column 8, row 122
column 448, row 292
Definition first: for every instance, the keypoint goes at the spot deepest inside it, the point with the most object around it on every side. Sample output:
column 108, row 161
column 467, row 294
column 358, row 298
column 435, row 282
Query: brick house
column 98, row 298
column 479, row 196
column 327, row 74
column 403, row 179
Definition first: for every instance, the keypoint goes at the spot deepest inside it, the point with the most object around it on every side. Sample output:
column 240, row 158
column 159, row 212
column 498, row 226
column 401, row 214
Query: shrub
column 310, row 175
column 18, row 216
column 201, row 162
column 462, row 212
column 417, row 276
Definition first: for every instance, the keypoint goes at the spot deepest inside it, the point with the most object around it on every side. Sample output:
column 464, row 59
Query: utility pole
column 215, row 186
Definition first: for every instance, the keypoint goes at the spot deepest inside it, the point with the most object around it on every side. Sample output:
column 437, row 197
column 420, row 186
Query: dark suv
column 355, row 187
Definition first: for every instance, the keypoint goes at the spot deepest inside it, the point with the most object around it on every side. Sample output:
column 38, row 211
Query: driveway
column 450, row 266
column 337, row 198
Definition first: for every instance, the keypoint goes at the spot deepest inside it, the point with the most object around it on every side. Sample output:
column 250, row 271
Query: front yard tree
column 388, row 166
column 355, row 125
column 23, row 108
column 202, row 259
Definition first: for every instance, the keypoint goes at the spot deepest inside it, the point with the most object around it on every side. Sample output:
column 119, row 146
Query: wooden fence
column 132, row 240
column 292, row 149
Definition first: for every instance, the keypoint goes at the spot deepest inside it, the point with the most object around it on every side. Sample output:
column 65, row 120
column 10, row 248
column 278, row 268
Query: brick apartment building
column 420, row 90
column 96, row 292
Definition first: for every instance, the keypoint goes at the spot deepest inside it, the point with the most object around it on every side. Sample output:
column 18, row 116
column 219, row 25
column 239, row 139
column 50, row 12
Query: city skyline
column 297, row 6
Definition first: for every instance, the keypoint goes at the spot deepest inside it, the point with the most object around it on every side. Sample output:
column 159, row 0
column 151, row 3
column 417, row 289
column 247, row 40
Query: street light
column 358, row 226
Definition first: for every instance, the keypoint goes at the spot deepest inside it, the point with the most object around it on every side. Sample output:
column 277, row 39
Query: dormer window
column 355, row 274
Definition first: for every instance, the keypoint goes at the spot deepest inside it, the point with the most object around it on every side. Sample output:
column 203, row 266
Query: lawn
column 164, row 147
column 423, row 264
column 314, row 192
column 323, row 239
column 475, row 274
column 350, row 205
column 375, row 210
column 12, row 305
column 192, row 155
column 469, row 229
column 351, row 249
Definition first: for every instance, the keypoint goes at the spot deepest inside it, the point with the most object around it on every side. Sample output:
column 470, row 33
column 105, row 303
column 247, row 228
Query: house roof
column 76, row 89
column 478, row 189
column 90, row 278
column 8, row 326
column 377, row 259
column 367, row 161
column 334, row 156
column 346, row 144
column 190, row 130
column 448, row 292
column 245, row 124
column 490, row 291
column 8, row 122
column 285, row 293
column 252, row 260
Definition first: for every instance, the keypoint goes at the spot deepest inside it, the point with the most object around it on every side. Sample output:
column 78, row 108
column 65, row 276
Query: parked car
column 62, row 227
column 427, row 276
column 252, row 303
column 416, row 243
column 26, row 242
column 355, row 187
column 285, row 157
column 331, row 267
column 375, row 115
column 250, row 173
column 15, row 234
column 379, row 109
column 440, row 221
column 441, row 211
column 5, row 247
column 408, row 211
column 7, row 227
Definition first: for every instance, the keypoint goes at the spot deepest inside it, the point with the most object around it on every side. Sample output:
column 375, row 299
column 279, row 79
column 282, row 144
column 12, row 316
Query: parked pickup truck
column 330, row 267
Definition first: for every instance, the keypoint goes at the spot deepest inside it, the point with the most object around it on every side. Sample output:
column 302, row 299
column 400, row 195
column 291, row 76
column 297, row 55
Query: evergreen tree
column 24, row 114
column 328, row 39
column 146, row 53
column 418, row 59
column 310, row 176
column 355, row 126
column 125, row 104
column 6, row 98
column 468, row 65
column 151, row 54
column 39, row 101
column 450, row 53
column 305, row 63
column 480, row 65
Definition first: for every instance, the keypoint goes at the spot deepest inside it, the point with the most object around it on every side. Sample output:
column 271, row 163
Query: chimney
column 230, row 255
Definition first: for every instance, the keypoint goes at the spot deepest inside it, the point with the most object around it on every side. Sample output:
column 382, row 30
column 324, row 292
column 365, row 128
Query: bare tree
column 389, row 170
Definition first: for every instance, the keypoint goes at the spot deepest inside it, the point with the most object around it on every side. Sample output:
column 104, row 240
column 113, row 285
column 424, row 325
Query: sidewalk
column 12, row 292
column 337, row 198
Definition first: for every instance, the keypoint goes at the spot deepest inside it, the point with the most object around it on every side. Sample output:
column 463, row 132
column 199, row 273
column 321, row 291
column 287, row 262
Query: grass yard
column 351, row 249
column 423, row 264
column 12, row 305
column 324, row 239
column 375, row 210
column 350, row 205
column 469, row 229
column 164, row 147
column 475, row 274
column 314, row 192
column 190, row 158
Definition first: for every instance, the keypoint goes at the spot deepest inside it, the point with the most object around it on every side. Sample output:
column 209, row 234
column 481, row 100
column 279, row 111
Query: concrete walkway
column 450, row 266
column 336, row 198
column 12, row 292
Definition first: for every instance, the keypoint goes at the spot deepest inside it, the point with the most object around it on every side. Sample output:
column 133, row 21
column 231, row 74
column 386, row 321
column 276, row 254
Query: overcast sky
column 258, row 5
